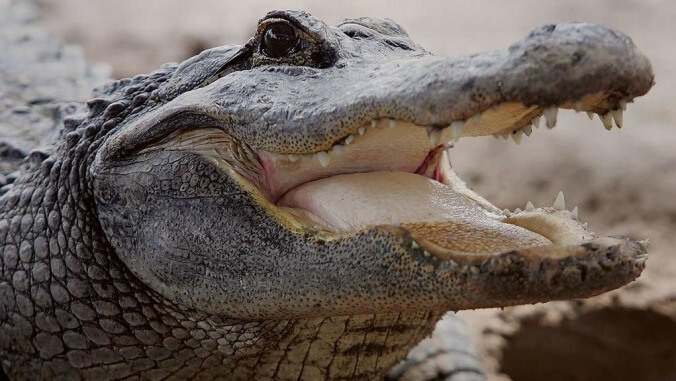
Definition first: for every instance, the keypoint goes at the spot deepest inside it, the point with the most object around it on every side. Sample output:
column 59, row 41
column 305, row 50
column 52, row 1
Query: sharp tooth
column 623, row 104
column 590, row 115
column 374, row 123
column 392, row 123
column 617, row 116
column 607, row 120
column 433, row 134
column 527, row 129
column 497, row 136
column 516, row 136
column 536, row 121
column 575, row 213
column 361, row 130
column 517, row 210
column 530, row 206
column 448, row 156
column 506, row 211
column 292, row 158
column 550, row 116
column 577, row 106
column 349, row 139
column 338, row 148
column 476, row 118
column 560, row 202
column 644, row 243
column 640, row 260
column 323, row 158
column 414, row 245
column 585, row 225
column 426, row 253
column 456, row 129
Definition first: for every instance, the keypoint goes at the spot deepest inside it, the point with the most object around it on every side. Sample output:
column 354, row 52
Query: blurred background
column 624, row 181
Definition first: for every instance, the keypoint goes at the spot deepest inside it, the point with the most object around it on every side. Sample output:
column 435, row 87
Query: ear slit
column 136, row 137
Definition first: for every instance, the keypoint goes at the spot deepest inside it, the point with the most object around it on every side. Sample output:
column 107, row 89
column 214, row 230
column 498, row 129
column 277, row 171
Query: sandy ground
column 624, row 181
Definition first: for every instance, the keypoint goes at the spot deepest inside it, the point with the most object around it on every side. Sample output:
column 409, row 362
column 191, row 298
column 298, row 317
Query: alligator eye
column 279, row 39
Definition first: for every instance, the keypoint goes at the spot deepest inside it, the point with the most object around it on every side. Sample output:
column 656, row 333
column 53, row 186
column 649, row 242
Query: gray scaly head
column 230, row 214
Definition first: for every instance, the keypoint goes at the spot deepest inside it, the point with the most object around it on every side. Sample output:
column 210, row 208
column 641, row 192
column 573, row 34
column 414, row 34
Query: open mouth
column 396, row 173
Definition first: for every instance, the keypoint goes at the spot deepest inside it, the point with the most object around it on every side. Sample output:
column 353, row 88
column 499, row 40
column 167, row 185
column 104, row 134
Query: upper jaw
column 575, row 66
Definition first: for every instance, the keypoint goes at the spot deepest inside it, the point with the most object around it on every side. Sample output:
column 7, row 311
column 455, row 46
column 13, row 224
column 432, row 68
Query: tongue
column 431, row 211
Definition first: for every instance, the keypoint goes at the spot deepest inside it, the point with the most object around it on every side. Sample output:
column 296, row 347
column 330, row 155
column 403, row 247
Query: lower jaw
column 444, row 218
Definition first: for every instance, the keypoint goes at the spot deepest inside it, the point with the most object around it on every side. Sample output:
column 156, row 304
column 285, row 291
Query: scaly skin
column 127, row 255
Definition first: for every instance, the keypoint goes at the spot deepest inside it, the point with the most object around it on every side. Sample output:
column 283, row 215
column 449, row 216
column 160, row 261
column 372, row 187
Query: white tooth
column 323, row 158
column 392, row 123
column 590, row 115
column 550, row 116
column 426, row 253
column 433, row 134
column 338, row 148
column 623, row 104
column 374, row 123
column 560, row 202
column 578, row 106
column 506, row 211
column 292, row 158
column 640, row 260
column 497, row 136
column 575, row 213
column 536, row 121
column 517, row 210
column 617, row 116
column 530, row 206
column 456, row 129
column 505, row 135
column 476, row 118
column 644, row 243
column 527, row 129
column 607, row 121
column 361, row 130
column 349, row 139
column 414, row 245
column 516, row 136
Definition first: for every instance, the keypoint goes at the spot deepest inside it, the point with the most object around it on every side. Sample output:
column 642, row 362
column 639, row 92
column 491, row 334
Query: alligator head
column 306, row 173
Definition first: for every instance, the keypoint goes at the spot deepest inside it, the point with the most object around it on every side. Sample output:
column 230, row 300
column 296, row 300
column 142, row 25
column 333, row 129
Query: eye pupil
column 279, row 40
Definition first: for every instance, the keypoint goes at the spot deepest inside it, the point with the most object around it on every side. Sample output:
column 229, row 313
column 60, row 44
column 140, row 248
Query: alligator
column 287, row 208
